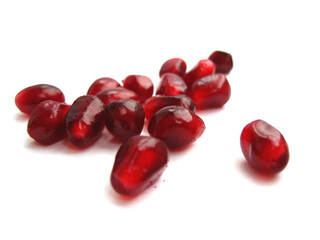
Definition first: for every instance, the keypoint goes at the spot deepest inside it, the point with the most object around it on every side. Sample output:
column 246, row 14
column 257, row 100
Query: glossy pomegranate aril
column 264, row 147
column 210, row 92
column 223, row 61
column 141, row 85
column 47, row 122
column 102, row 84
column 202, row 69
column 27, row 99
column 154, row 104
column 176, row 126
column 175, row 65
column 124, row 118
column 171, row 85
column 113, row 94
column 139, row 162
column 85, row 120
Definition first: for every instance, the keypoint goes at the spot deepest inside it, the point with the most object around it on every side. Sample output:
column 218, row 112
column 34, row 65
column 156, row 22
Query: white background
column 207, row 191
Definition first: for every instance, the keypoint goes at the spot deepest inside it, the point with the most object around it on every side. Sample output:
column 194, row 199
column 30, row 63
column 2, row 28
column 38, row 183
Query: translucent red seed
column 222, row 60
column 154, row 104
column 113, row 94
column 264, row 147
column 102, row 84
column 202, row 69
column 47, row 122
column 124, row 118
column 85, row 120
column 176, row 126
column 171, row 85
column 141, row 85
column 27, row 99
column 175, row 65
column 210, row 92
column 139, row 162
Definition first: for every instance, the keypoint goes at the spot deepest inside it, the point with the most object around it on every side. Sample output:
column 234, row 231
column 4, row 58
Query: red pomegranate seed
column 139, row 162
column 176, row 126
column 171, row 85
column 141, row 85
column 223, row 61
column 102, row 84
column 124, row 118
column 202, row 69
column 27, row 99
column 264, row 147
column 154, row 104
column 47, row 122
column 210, row 92
column 85, row 120
column 175, row 65
column 113, row 94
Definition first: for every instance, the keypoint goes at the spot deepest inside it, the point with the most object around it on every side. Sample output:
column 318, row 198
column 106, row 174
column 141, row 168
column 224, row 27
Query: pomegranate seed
column 139, row 162
column 102, row 84
column 210, row 92
column 154, row 104
column 47, row 122
column 85, row 120
column 175, row 65
column 113, row 94
column 27, row 99
column 202, row 69
column 223, row 61
column 141, row 85
column 171, row 85
column 264, row 147
column 176, row 126
column 124, row 118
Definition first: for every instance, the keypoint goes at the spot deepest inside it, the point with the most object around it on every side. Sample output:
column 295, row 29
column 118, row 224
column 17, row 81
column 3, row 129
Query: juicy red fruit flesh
column 264, row 147
column 154, row 104
column 47, row 122
column 202, row 69
column 85, row 120
column 175, row 65
column 141, row 85
column 223, row 61
column 124, row 118
column 139, row 162
column 176, row 126
column 113, row 94
column 27, row 99
column 102, row 84
column 210, row 92
column 171, row 85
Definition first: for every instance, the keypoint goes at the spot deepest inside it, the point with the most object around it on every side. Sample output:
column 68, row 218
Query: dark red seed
column 139, row 162
column 102, row 84
column 176, row 126
column 85, row 120
column 154, row 104
column 27, row 99
column 171, row 85
column 202, row 69
column 264, row 147
column 141, row 85
column 223, row 61
column 113, row 94
column 175, row 65
column 47, row 122
column 124, row 118
column 210, row 92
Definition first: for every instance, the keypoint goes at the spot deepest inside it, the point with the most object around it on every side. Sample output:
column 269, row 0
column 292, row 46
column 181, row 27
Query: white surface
column 207, row 191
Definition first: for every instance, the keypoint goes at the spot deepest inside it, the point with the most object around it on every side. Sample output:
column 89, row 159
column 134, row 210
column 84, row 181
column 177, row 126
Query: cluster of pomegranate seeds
column 170, row 116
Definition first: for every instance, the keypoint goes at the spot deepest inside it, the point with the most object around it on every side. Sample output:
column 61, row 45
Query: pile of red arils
column 169, row 115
